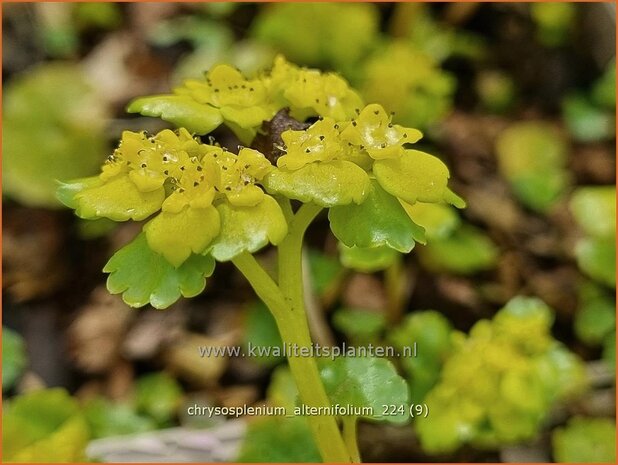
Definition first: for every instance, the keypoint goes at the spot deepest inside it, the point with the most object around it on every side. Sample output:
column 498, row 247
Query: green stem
column 287, row 306
column 290, row 255
column 349, row 436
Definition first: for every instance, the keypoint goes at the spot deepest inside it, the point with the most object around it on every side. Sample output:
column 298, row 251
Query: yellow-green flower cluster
column 500, row 381
column 225, row 95
column 185, row 180
column 352, row 152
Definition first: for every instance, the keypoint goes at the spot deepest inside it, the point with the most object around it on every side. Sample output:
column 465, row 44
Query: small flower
column 319, row 143
column 311, row 92
column 374, row 132
column 238, row 175
column 241, row 101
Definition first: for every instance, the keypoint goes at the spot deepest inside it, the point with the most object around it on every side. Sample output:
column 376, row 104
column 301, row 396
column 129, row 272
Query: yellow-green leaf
column 366, row 382
column 180, row 110
column 379, row 220
column 118, row 199
column 415, row 176
column 248, row 229
column 144, row 276
column 177, row 235
column 367, row 259
column 338, row 182
column 438, row 220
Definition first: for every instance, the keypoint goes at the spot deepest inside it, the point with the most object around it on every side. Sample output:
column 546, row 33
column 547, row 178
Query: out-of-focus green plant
column 106, row 418
column 431, row 331
column 360, row 326
column 158, row 395
column 213, row 42
column 408, row 82
column 466, row 251
column 52, row 129
column 14, row 359
column 554, row 21
column 604, row 89
column 594, row 209
column 586, row 121
column 367, row 260
column 595, row 321
column 596, row 316
column 437, row 219
column 532, row 158
column 279, row 438
column 591, row 116
column 326, row 272
column 585, row 440
column 60, row 25
column 328, row 35
column 496, row 90
column 44, row 426
column 500, row 381
column 153, row 406
column 438, row 40
column 261, row 330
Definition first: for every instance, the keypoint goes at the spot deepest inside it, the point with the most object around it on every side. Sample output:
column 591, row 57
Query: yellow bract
column 320, row 142
column 374, row 132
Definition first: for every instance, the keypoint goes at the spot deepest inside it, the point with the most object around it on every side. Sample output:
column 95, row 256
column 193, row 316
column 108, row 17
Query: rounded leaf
column 248, row 229
column 597, row 258
column 118, row 199
column 365, row 259
column 180, row 110
column 466, row 251
column 380, row 220
column 438, row 220
column 366, row 382
column 338, row 182
column 143, row 276
column 177, row 235
column 532, row 156
column 415, row 176
column 594, row 209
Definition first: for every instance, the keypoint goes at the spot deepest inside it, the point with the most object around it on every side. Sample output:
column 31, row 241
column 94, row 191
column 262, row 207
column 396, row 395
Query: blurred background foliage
column 518, row 100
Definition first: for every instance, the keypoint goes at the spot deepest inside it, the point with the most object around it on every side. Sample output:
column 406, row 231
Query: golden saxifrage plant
column 205, row 204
